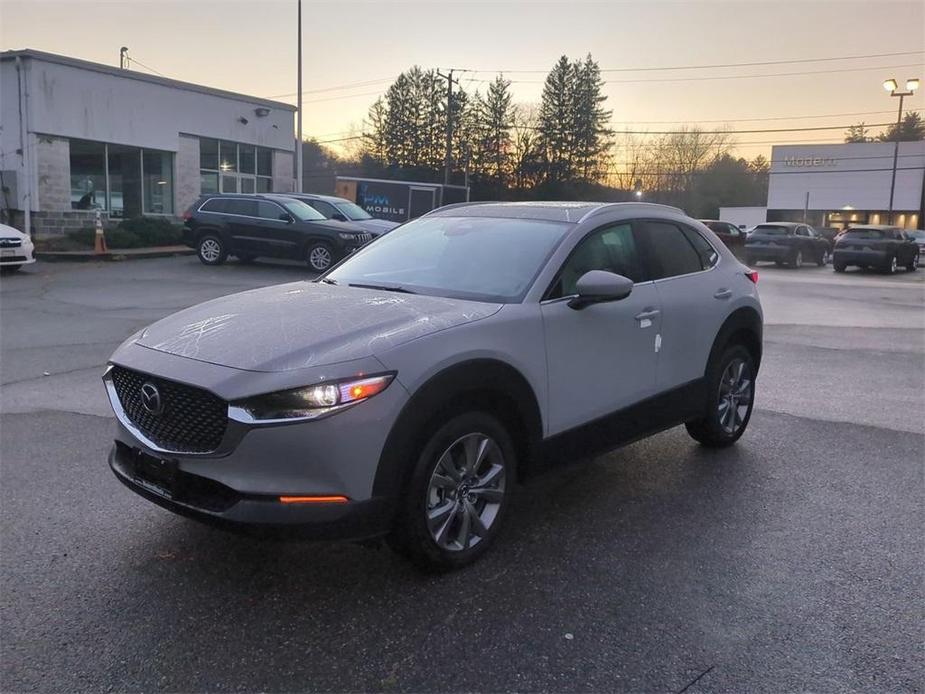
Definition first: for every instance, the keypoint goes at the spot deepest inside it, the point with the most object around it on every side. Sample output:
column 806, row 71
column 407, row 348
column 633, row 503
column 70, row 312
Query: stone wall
column 53, row 162
column 50, row 223
column 188, row 185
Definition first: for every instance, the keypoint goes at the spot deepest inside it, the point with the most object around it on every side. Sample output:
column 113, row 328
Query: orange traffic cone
column 99, row 245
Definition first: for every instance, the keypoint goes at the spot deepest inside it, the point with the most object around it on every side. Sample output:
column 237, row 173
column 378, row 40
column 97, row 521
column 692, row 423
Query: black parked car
column 787, row 243
column 274, row 226
column 877, row 246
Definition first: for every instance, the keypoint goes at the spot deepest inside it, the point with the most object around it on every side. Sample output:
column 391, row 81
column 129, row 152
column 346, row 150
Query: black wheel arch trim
column 489, row 384
column 742, row 325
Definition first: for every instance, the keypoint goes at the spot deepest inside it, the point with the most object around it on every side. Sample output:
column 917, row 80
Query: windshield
column 352, row 211
column 478, row 258
column 771, row 230
column 916, row 234
column 865, row 234
column 301, row 211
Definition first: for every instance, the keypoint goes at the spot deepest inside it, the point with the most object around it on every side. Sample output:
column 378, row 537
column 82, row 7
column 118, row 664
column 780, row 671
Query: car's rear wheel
column 796, row 260
column 319, row 256
column 730, row 398
column 211, row 250
column 838, row 267
column 458, row 493
column 913, row 264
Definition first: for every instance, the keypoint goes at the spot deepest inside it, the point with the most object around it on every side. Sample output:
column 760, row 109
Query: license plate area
column 158, row 475
column 7, row 251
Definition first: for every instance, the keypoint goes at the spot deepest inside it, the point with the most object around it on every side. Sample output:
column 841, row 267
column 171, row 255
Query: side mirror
column 598, row 286
column 286, row 218
column 337, row 216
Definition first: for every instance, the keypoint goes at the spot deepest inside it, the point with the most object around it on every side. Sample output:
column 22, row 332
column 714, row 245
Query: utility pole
column 123, row 57
column 892, row 86
column 298, row 145
column 448, row 161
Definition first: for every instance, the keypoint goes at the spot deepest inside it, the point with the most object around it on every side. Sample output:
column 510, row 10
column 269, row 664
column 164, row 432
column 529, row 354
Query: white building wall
column 855, row 175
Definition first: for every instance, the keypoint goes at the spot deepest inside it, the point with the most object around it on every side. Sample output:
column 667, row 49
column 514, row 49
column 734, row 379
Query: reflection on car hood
column 331, row 225
column 376, row 226
column 303, row 324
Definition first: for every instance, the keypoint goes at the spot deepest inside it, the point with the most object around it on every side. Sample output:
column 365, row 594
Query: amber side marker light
column 314, row 499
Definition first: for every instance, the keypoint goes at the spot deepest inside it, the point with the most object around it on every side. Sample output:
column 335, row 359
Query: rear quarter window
column 214, row 205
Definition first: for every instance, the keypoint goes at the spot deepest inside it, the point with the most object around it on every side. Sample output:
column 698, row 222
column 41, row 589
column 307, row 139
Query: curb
column 117, row 255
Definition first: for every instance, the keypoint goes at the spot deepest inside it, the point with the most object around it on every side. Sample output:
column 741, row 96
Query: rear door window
column 708, row 254
column 214, row 205
column 668, row 251
column 243, row 207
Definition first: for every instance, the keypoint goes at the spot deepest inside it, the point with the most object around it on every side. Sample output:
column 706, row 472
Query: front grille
column 12, row 259
column 10, row 243
column 192, row 420
column 364, row 238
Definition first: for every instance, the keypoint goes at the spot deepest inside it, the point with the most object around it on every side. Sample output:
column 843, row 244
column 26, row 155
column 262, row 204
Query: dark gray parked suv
column 404, row 392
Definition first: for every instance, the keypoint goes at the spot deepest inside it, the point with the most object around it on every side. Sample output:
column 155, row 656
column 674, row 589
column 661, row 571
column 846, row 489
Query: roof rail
column 457, row 205
column 650, row 205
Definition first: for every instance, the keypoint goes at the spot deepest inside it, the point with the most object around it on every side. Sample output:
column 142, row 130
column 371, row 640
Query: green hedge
column 138, row 232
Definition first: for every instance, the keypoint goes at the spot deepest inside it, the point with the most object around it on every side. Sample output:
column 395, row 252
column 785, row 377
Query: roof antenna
column 123, row 58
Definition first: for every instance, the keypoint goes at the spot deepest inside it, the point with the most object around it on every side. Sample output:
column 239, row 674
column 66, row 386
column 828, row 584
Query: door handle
column 723, row 294
column 648, row 314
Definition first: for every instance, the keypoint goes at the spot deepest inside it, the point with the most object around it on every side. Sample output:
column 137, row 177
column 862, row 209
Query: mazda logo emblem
column 151, row 398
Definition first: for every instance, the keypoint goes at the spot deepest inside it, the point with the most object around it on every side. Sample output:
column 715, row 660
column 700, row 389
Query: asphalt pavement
column 792, row 561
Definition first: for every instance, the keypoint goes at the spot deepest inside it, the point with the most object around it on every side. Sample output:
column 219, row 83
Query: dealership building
column 843, row 184
column 78, row 137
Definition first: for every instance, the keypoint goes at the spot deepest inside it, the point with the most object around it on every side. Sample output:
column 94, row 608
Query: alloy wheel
column 465, row 492
column 893, row 265
column 735, row 395
column 319, row 258
column 210, row 250
column 798, row 259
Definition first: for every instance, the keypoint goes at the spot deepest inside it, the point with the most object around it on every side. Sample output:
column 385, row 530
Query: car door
column 279, row 235
column 693, row 297
column 601, row 358
column 243, row 226
column 907, row 248
column 820, row 244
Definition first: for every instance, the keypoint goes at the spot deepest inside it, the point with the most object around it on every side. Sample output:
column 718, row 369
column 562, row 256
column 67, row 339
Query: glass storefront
column 232, row 167
column 124, row 181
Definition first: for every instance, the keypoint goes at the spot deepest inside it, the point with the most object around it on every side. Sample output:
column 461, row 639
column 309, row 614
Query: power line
column 769, row 118
column 727, row 65
column 339, row 87
column 146, row 67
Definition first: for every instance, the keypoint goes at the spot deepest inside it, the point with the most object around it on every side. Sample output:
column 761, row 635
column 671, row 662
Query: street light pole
column 893, row 88
column 298, row 146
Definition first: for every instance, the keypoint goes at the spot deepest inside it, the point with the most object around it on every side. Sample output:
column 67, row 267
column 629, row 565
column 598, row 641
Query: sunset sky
column 250, row 47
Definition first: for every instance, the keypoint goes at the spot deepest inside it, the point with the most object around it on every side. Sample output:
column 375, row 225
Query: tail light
column 188, row 215
column 752, row 275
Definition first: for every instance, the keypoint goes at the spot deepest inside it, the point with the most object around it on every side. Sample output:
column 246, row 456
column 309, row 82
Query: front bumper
column 17, row 255
column 239, row 484
column 860, row 257
column 205, row 500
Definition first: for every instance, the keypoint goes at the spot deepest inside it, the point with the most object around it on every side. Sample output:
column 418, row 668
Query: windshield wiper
column 384, row 287
column 327, row 280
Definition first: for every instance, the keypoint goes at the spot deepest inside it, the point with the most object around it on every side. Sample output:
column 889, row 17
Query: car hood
column 376, row 226
column 331, row 225
column 11, row 233
column 304, row 324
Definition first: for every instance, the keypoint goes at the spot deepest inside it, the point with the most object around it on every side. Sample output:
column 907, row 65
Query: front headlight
column 309, row 402
column 347, row 237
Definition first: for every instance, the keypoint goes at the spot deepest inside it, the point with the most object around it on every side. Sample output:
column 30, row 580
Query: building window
column 157, row 182
column 230, row 167
column 88, row 175
column 125, row 181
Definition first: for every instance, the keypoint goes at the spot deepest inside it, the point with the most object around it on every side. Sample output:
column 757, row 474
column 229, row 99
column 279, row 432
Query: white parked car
column 16, row 249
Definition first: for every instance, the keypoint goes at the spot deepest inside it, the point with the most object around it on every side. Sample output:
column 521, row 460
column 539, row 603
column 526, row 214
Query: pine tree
column 556, row 120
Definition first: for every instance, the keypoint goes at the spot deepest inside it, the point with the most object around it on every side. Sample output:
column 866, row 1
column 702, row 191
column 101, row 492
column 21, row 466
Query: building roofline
column 140, row 76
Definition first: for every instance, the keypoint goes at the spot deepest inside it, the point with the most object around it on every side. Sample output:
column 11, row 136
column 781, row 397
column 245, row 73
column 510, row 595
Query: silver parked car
column 343, row 210
column 404, row 392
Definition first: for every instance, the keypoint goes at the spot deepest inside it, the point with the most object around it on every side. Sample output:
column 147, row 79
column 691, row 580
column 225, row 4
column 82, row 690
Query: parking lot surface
column 792, row 561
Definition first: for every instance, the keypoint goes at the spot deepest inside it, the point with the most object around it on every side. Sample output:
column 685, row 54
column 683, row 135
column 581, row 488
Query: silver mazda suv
column 404, row 392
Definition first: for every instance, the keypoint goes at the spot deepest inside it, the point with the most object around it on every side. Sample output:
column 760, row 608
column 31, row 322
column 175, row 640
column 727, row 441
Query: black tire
column 710, row 430
column 838, row 267
column 319, row 255
column 913, row 264
column 211, row 250
column 411, row 537
column 823, row 259
column 246, row 258
column 796, row 260
column 890, row 267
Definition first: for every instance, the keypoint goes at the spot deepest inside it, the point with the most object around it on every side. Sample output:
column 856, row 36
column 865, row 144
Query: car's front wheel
column 913, row 264
column 211, row 250
column 838, row 267
column 458, row 493
column 891, row 265
column 824, row 258
column 319, row 256
column 730, row 397
column 796, row 260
